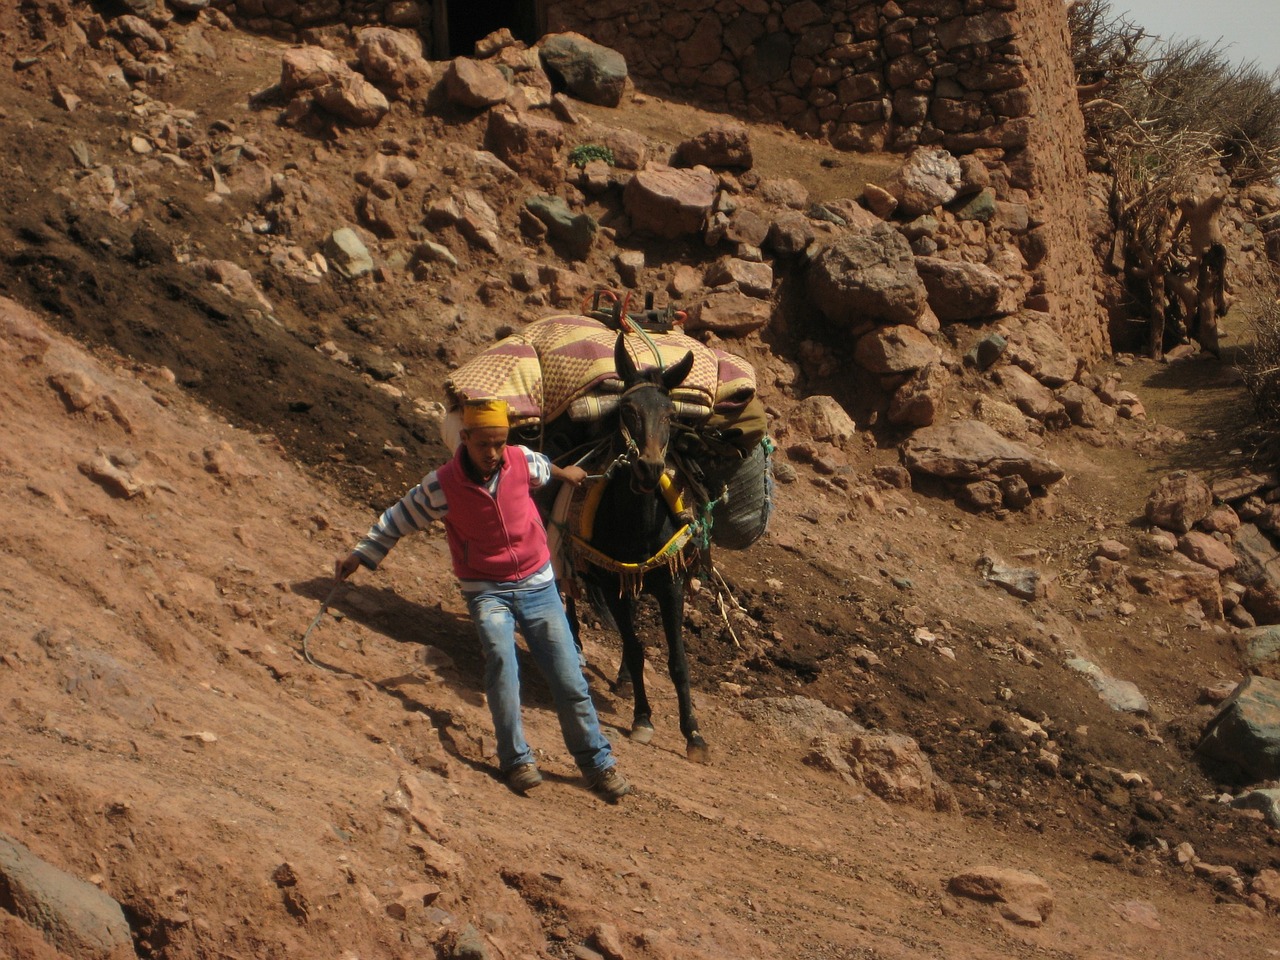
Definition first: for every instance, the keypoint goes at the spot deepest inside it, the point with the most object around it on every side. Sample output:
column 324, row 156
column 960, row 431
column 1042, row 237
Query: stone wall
column 288, row 18
column 866, row 75
column 985, row 78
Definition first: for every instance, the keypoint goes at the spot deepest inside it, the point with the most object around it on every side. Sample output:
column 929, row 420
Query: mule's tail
column 595, row 597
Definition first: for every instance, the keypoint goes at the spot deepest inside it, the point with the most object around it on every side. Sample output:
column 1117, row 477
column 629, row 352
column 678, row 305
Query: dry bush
column 1105, row 47
column 1148, row 101
column 1260, row 366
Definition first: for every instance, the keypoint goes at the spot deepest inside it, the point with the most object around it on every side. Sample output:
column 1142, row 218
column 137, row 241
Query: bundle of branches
column 1162, row 118
column 1260, row 367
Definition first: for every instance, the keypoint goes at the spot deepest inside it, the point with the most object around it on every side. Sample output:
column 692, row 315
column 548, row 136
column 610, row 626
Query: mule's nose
column 647, row 474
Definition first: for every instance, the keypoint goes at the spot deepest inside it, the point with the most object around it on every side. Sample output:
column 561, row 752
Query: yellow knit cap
column 485, row 413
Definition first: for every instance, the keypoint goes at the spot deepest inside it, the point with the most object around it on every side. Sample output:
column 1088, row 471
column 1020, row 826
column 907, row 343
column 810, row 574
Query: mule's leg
column 623, row 610
column 622, row 682
column 670, row 596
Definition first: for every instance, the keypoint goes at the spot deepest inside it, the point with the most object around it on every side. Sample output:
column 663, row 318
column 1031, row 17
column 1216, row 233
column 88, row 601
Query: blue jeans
column 541, row 618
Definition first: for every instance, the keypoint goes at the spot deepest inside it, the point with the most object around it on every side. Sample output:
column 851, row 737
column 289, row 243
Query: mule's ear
column 622, row 361
column 674, row 376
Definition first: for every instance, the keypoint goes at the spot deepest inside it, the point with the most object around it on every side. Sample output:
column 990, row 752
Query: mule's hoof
column 641, row 733
column 698, row 751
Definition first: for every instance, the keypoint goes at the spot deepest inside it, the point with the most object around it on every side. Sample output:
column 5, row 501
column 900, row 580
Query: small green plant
column 584, row 153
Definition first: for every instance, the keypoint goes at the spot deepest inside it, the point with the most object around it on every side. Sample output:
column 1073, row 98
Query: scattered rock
column 576, row 231
column 1024, row 583
column 1245, row 732
column 1121, row 695
column 1023, row 897
column 74, row 915
column 1179, row 502
column 347, row 254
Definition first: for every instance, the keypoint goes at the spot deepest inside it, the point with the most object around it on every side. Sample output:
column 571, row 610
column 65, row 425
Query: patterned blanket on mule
column 564, row 365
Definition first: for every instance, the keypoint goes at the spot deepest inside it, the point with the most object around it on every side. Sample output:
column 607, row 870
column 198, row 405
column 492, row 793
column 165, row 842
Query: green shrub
column 584, row 153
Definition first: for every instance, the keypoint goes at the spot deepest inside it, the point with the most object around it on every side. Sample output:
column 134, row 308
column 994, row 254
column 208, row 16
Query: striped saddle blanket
column 564, row 365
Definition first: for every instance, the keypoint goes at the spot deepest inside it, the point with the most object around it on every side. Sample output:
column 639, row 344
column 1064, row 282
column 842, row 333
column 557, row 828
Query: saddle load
column 557, row 376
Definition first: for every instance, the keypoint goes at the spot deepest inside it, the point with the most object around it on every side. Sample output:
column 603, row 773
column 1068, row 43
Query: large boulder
column 753, row 278
column 75, row 916
column 589, row 71
column 724, row 146
column 527, row 143
column 895, row 351
column 1245, row 732
column 475, row 84
column 1084, row 408
column 392, row 58
column 1037, row 347
column 1021, row 897
column 728, row 313
column 894, row 768
column 867, row 277
column 928, row 179
column 308, row 68
column 1179, row 502
column 1031, row 396
column 823, row 419
column 969, row 450
column 918, row 402
column 1259, row 570
column 961, row 291
column 354, row 99
column 670, row 203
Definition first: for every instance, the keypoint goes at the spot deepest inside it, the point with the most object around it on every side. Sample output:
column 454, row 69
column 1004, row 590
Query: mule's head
column 646, row 413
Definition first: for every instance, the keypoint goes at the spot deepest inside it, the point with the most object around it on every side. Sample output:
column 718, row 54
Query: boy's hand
column 344, row 567
column 573, row 475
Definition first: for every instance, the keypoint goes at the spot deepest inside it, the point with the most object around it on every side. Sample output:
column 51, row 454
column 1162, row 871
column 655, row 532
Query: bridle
column 630, row 452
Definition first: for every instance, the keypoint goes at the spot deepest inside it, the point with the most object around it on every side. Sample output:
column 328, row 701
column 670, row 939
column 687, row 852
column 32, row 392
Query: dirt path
column 164, row 736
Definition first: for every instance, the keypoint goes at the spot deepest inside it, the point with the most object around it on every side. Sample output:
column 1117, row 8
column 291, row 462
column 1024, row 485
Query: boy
column 500, row 557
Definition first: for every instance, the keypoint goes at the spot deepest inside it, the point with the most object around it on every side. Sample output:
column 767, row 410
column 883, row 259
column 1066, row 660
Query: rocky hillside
column 956, row 697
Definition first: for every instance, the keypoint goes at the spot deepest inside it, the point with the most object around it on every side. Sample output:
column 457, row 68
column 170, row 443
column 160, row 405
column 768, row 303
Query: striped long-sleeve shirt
column 426, row 502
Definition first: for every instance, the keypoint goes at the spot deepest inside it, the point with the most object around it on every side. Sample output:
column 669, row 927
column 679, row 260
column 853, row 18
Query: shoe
column 523, row 778
column 610, row 784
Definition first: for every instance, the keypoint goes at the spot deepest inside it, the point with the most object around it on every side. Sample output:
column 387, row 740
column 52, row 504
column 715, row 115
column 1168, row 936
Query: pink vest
column 493, row 538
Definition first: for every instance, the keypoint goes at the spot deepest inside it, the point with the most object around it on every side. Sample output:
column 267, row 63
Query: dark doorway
column 467, row 21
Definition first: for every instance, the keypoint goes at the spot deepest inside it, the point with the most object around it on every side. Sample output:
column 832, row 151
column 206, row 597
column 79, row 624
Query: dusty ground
column 163, row 736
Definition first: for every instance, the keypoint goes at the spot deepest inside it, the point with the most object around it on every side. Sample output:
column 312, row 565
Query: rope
column 653, row 347
column 324, row 607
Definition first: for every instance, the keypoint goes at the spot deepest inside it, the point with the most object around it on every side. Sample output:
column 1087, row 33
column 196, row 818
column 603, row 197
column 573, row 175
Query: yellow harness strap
column 670, row 554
